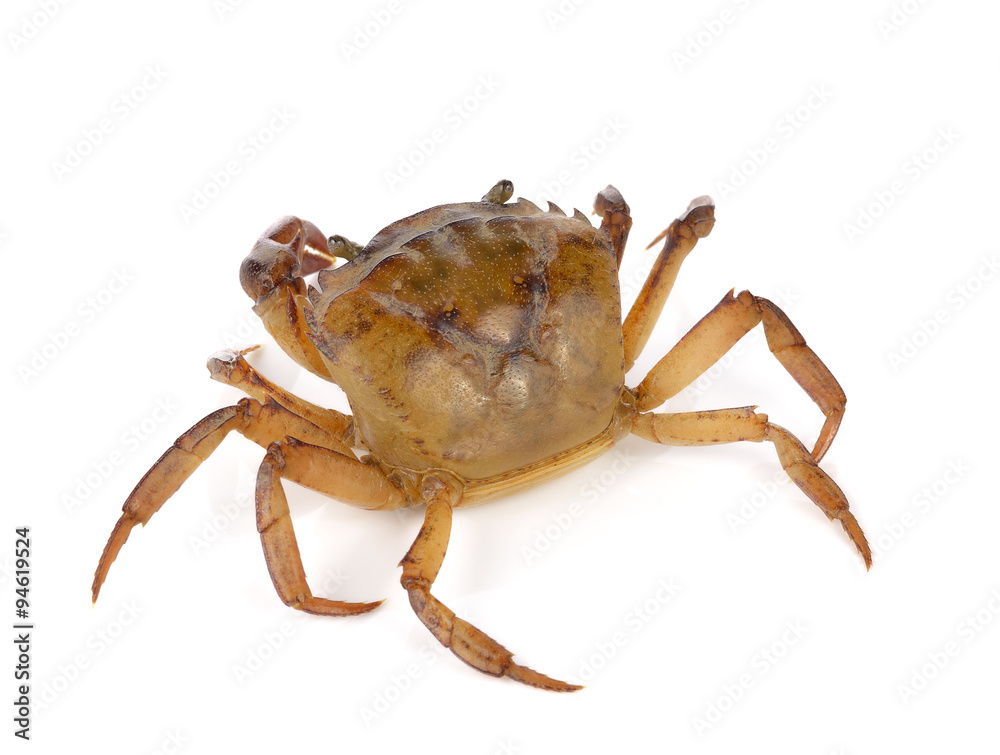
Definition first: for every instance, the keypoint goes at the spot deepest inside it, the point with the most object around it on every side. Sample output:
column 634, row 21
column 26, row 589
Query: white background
column 799, row 118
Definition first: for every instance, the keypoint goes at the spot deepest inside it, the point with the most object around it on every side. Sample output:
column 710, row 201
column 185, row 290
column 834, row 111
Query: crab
column 482, row 350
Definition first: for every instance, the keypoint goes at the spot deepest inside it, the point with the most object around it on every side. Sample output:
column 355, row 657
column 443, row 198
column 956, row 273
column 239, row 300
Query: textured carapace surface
column 450, row 334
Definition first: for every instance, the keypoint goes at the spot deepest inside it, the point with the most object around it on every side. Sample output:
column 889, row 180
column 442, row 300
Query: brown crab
column 482, row 349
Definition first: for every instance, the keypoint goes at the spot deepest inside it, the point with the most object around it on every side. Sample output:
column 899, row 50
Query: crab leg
column 681, row 236
column 732, row 425
column 420, row 568
column 615, row 218
column 713, row 335
column 230, row 367
column 260, row 422
column 328, row 472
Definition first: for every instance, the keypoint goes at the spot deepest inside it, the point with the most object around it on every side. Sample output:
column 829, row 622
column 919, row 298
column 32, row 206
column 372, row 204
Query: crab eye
column 502, row 191
column 338, row 246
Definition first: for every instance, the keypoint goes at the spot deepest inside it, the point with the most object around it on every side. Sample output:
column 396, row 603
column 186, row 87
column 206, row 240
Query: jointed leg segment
column 718, row 331
column 681, row 237
column 277, row 536
column 309, row 455
column 705, row 344
column 732, row 425
column 231, row 367
column 420, row 568
column 165, row 477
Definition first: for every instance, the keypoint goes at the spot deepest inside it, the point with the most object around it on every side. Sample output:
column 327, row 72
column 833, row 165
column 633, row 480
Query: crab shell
column 475, row 337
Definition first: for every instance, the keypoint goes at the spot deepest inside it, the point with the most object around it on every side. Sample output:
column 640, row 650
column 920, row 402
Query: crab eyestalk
column 346, row 249
column 502, row 191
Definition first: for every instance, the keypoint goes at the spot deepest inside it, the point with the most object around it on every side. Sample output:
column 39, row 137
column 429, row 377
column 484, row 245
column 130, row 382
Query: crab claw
column 289, row 248
column 271, row 275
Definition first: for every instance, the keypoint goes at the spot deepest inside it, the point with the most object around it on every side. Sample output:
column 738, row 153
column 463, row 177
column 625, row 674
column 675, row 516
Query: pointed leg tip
column 354, row 609
column 662, row 233
column 857, row 535
column 532, row 678
column 326, row 607
column 118, row 537
column 366, row 607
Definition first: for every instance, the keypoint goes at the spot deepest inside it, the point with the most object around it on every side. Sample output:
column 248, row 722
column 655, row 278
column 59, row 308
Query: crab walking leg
column 261, row 422
column 732, row 425
column 717, row 332
column 420, row 568
column 681, row 236
column 616, row 219
column 230, row 367
column 328, row 472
